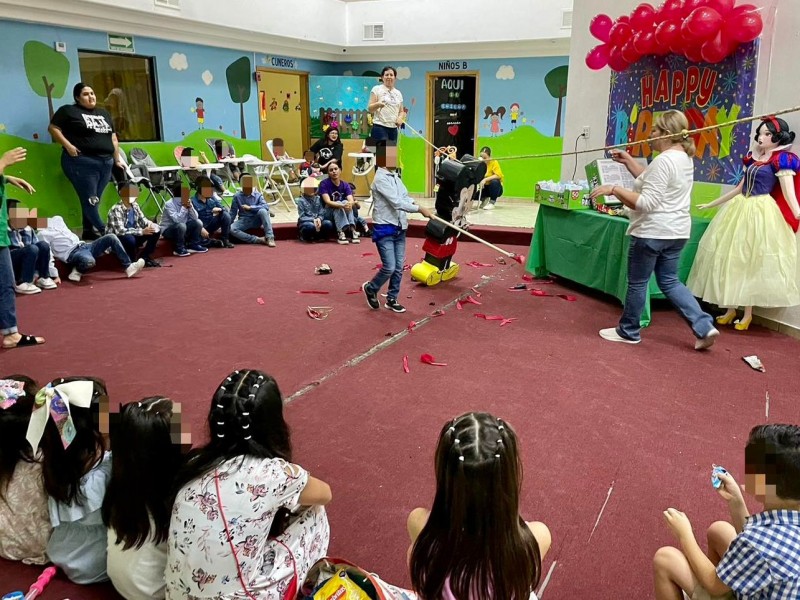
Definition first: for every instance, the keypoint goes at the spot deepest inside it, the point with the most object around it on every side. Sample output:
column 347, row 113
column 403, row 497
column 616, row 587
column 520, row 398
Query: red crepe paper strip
column 378, row 266
column 312, row 292
column 535, row 292
column 477, row 265
column 527, row 277
column 567, row 297
column 518, row 257
column 354, row 292
column 459, row 306
column 476, row 292
column 471, row 300
column 489, row 317
column 429, row 360
column 406, row 267
column 363, row 254
column 260, row 300
column 405, row 364
column 505, row 322
column 411, row 326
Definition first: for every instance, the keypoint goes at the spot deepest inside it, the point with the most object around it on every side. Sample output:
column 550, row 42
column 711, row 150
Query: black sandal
column 25, row 340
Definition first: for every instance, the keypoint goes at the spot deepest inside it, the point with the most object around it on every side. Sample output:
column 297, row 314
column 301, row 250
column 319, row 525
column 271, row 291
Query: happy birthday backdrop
column 709, row 94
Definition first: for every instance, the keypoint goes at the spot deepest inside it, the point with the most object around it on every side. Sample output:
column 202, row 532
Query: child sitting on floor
column 473, row 544
column 76, row 469
column 146, row 443
column 24, row 522
column 756, row 556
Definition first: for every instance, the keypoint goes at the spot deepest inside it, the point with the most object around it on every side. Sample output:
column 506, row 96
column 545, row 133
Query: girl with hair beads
column 68, row 424
column 473, row 544
column 246, row 523
column 748, row 254
column 146, row 443
column 24, row 521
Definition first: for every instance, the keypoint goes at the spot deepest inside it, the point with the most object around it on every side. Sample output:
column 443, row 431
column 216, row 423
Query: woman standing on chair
column 492, row 184
column 90, row 151
column 386, row 107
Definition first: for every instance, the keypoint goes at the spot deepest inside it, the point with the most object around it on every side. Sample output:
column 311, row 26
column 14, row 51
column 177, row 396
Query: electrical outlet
column 586, row 130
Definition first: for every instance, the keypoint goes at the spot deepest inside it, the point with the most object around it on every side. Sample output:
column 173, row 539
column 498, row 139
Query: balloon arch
column 700, row 30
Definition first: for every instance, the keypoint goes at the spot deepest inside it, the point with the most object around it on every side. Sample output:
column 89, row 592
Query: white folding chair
column 280, row 171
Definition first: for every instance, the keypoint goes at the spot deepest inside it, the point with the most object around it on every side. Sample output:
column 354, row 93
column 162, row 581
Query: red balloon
column 629, row 53
column 689, row 6
column 704, row 23
column 600, row 27
column 620, row 33
column 597, row 58
column 667, row 33
column 715, row 50
column 745, row 27
column 693, row 53
column 642, row 16
column 723, row 7
column 644, row 42
column 615, row 60
column 671, row 9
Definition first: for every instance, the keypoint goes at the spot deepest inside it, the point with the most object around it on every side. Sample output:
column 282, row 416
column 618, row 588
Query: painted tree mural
column 239, row 74
column 556, row 82
column 47, row 71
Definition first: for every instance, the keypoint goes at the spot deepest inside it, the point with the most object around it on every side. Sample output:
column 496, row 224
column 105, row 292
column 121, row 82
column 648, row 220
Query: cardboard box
column 567, row 200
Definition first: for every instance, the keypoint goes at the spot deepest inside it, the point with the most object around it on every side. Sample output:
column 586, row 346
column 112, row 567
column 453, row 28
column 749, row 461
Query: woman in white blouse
column 386, row 106
column 660, row 225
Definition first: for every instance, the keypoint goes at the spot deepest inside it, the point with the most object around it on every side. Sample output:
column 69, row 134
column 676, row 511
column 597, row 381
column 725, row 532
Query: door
column 453, row 115
column 283, row 109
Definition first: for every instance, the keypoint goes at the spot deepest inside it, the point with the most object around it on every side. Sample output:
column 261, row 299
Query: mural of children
column 495, row 115
column 199, row 108
column 273, row 105
column 514, row 110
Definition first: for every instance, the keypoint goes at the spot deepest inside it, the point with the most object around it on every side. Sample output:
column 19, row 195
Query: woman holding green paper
column 659, row 228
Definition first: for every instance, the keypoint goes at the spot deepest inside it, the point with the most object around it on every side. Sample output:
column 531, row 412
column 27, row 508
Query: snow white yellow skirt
column 747, row 257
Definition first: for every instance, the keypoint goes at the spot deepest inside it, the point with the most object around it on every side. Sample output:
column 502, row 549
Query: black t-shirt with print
column 89, row 130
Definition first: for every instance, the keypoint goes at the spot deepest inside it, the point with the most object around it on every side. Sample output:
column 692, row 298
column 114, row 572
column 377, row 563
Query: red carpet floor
column 611, row 434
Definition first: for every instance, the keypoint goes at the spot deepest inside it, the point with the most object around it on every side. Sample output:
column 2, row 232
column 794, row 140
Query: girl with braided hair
column 476, row 511
column 246, row 521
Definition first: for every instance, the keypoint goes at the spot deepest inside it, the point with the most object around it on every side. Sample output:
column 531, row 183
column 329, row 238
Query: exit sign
column 120, row 43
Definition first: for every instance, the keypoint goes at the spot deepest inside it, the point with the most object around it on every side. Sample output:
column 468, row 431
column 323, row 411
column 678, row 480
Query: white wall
column 325, row 29
column 776, row 87
column 443, row 25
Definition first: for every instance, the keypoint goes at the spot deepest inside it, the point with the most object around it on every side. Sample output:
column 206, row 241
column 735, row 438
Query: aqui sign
column 120, row 43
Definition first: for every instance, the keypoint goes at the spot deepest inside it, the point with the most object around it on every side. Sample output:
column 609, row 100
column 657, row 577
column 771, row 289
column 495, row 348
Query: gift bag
column 337, row 579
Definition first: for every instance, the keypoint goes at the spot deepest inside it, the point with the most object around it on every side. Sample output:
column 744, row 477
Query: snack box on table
column 567, row 200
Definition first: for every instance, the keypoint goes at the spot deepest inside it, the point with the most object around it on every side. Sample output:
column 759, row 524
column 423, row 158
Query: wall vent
column 373, row 32
column 167, row 3
column 566, row 19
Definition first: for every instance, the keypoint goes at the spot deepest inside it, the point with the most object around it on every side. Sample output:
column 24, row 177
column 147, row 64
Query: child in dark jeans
column 391, row 203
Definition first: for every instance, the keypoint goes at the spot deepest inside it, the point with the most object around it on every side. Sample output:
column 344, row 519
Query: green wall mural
column 47, row 71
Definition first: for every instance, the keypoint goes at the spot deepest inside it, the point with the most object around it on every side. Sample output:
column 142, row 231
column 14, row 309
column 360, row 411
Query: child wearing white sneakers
column 30, row 256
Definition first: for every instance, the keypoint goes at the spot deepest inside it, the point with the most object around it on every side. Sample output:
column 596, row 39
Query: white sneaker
column 74, row 275
column 46, row 283
column 611, row 335
column 356, row 238
column 27, row 289
column 342, row 239
column 708, row 341
column 134, row 268
column 489, row 207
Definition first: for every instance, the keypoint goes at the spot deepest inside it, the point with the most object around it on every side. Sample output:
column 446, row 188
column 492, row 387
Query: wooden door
column 283, row 109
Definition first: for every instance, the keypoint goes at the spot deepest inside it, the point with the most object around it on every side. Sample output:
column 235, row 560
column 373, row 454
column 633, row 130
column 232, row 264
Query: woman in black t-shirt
column 90, row 151
column 328, row 149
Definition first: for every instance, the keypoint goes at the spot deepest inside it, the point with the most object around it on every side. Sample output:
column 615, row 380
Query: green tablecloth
column 591, row 248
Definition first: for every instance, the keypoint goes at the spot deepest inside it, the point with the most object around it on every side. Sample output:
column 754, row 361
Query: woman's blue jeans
column 89, row 175
column 646, row 256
